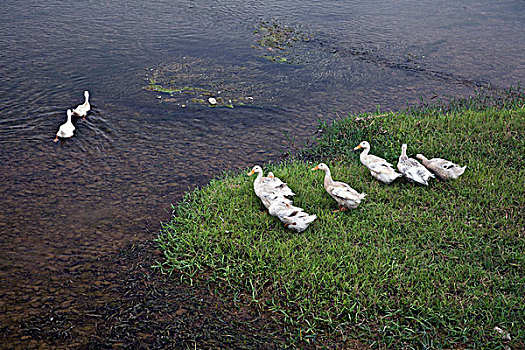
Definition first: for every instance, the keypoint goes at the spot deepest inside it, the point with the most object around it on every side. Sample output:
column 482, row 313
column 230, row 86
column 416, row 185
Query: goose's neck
column 364, row 153
column 328, row 177
column 403, row 152
column 422, row 158
column 258, row 179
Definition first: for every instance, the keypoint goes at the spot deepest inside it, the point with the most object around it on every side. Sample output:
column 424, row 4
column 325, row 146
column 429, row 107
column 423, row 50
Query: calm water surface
column 70, row 202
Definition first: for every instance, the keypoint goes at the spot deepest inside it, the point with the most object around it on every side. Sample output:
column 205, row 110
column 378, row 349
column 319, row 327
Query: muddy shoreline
column 117, row 300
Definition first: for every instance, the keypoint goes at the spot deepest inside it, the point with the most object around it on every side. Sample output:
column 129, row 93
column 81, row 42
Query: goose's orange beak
column 251, row 173
column 316, row 168
column 358, row 147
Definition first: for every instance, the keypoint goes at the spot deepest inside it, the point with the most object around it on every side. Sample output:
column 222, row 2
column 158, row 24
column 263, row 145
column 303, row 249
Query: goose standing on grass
column 379, row 168
column 273, row 192
column 84, row 108
column 412, row 169
column 444, row 169
column 276, row 183
column 293, row 217
column 265, row 186
column 344, row 195
column 66, row 130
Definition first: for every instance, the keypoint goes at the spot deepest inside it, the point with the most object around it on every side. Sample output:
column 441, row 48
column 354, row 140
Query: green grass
column 413, row 266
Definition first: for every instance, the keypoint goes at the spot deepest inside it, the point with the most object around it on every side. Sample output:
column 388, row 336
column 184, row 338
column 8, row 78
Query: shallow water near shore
column 67, row 206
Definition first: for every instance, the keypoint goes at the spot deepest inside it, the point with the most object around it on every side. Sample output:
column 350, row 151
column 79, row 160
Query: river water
column 69, row 202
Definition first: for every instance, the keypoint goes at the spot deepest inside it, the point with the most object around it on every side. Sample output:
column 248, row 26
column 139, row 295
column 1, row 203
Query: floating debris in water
column 212, row 101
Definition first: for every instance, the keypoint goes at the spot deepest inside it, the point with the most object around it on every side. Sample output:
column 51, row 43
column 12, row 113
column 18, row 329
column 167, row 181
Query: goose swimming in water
column 66, row 130
column 84, row 108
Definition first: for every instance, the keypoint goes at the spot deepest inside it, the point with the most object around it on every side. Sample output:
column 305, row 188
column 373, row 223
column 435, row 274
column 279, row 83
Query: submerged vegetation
column 194, row 80
column 413, row 266
column 191, row 80
column 280, row 41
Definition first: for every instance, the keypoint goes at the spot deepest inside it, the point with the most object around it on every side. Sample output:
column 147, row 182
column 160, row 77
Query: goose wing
column 370, row 159
column 277, row 185
column 343, row 191
column 381, row 167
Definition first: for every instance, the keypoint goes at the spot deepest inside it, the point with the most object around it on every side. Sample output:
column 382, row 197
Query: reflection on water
column 66, row 204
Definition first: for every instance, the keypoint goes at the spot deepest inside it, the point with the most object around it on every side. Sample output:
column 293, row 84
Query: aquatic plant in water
column 190, row 80
column 198, row 81
column 280, row 41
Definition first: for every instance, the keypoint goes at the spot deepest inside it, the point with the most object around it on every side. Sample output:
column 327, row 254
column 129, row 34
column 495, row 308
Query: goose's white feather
column 379, row 168
column 293, row 217
column 67, row 129
column 444, row 169
column 412, row 169
column 341, row 192
column 84, row 108
column 273, row 192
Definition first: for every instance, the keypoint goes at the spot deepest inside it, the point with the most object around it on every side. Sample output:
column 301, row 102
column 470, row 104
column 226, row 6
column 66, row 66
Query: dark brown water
column 67, row 205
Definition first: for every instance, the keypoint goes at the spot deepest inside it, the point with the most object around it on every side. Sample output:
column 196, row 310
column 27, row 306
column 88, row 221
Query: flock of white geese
column 67, row 129
column 274, row 193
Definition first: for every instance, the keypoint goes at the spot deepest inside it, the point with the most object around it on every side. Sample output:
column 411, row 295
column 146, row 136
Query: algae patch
column 257, row 83
column 281, row 43
column 192, row 80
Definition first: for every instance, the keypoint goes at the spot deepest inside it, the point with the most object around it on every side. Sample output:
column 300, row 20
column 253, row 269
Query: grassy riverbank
column 436, row 266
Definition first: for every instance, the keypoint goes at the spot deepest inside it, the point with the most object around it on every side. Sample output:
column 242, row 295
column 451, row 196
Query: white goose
column 266, row 186
column 84, row 108
column 344, row 195
column 444, row 169
column 379, row 168
column 412, row 169
column 66, row 130
column 282, row 187
column 293, row 217
column 272, row 192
